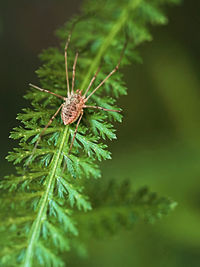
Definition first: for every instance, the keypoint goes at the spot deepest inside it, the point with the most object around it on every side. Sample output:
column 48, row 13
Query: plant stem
column 107, row 41
column 43, row 204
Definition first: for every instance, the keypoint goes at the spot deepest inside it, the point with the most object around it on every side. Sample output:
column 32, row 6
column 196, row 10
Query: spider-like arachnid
column 75, row 102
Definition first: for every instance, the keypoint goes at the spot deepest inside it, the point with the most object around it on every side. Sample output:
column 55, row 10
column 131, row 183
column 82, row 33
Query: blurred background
column 159, row 140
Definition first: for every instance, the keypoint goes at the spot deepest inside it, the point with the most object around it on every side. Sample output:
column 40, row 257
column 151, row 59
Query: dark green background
column 159, row 140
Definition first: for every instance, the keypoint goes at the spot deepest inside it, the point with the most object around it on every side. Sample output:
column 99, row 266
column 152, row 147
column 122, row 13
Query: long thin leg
column 75, row 132
column 111, row 73
column 43, row 131
column 107, row 77
column 74, row 72
column 91, row 82
column 105, row 109
column 46, row 91
column 66, row 68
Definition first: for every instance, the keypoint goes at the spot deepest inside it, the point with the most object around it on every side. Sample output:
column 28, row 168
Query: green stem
column 107, row 41
column 43, row 205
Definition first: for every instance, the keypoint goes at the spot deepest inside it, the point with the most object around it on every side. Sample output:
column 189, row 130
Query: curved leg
column 113, row 110
column 66, row 67
column 43, row 131
column 110, row 74
column 75, row 132
column 91, row 82
column 46, row 91
column 74, row 72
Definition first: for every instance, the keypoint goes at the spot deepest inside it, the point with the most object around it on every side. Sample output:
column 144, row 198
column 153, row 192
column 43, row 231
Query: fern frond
column 45, row 199
column 122, row 207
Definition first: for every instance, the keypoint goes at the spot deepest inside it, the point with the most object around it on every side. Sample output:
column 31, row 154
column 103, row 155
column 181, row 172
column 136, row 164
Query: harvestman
column 75, row 102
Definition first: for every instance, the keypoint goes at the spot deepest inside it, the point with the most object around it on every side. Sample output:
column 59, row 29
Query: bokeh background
column 159, row 140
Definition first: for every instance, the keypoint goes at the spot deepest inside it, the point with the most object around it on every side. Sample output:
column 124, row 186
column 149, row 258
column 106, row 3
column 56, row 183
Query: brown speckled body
column 72, row 107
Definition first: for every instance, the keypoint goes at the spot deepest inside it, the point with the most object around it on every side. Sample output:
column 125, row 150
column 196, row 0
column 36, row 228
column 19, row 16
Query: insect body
column 72, row 108
column 74, row 104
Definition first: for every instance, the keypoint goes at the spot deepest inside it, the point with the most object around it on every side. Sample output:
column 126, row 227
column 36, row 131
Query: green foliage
column 48, row 199
column 122, row 207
